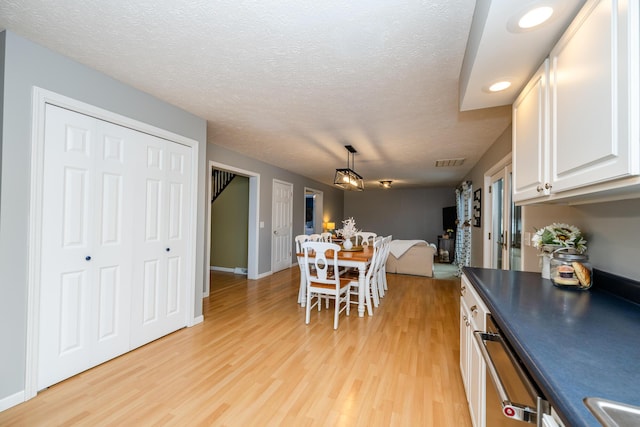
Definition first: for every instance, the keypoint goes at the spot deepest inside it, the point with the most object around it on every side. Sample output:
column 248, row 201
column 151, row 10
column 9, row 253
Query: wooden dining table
column 359, row 259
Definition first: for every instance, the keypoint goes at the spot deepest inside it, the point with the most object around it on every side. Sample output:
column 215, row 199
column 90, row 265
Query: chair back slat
column 365, row 238
column 326, row 237
column 324, row 255
column 300, row 239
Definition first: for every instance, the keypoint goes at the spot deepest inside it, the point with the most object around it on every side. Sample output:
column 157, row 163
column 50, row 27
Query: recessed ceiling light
column 498, row 86
column 535, row 17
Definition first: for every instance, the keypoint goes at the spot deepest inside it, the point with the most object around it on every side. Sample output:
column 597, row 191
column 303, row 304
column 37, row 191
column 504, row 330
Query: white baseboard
column 198, row 319
column 13, row 400
column 260, row 276
column 225, row 269
column 237, row 270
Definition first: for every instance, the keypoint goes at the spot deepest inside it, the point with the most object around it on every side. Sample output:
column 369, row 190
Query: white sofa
column 411, row 257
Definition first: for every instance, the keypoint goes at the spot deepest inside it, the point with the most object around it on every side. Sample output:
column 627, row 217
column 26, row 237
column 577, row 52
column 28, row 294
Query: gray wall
column 26, row 65
column 333, row 198
column 407, row 214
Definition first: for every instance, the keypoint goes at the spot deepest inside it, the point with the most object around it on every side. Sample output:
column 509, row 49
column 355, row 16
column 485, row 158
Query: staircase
column 219, row 181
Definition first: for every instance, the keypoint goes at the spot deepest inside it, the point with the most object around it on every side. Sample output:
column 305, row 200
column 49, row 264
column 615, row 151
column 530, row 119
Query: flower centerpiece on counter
column 560, row 236
column 347, row 232
column 557, row 236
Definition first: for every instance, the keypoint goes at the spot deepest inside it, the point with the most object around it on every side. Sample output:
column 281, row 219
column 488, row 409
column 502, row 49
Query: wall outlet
column 527, row 238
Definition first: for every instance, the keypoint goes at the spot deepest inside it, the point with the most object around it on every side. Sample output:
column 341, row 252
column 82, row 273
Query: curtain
column 464, row 199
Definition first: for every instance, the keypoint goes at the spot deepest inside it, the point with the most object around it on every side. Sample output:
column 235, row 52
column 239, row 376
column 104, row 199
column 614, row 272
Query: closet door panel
column 65, row 277
column 86, row 245
column 113, row 249
column 177, row 232
column 161, row 243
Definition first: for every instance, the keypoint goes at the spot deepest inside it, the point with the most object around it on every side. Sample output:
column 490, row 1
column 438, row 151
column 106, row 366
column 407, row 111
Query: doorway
column 252, row 223
column 313, row 211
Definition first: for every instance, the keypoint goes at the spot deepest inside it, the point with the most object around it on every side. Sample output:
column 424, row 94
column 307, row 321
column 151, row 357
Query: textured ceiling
column 291, row 82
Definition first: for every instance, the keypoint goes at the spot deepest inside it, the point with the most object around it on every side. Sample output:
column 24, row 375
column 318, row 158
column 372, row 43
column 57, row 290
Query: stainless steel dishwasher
column 511, row 397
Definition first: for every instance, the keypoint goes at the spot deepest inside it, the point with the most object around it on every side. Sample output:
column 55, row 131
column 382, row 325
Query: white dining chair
column 315, row 237
column 364, row 238
column 320, row 282
column 302, row 293
column 326, row 237
column 382, row 269
column 370, row 290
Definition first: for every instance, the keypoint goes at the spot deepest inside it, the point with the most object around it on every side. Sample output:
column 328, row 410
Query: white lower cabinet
column 472, row 318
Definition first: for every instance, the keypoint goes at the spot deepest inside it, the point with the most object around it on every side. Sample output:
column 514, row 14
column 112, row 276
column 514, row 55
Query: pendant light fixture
column 348, row 178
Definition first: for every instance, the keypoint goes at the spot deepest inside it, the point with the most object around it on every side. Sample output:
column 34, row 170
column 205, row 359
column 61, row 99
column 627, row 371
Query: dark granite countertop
column 575, row 344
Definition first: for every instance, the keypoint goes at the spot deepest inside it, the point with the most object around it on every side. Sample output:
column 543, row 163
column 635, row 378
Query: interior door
column 498, row 229
column 282, row 214
column 161, row 239
column 86, row 244
column 506, row 223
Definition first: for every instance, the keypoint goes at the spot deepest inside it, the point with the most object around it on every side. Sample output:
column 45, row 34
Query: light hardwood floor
column 254, row 362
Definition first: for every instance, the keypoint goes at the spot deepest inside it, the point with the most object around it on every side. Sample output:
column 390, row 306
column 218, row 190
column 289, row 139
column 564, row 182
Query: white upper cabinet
column 590, row 149
column 530, row 138
column 591, row 136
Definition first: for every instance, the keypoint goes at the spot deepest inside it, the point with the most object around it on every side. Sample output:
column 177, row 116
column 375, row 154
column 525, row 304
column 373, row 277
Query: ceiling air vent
column 449, row 163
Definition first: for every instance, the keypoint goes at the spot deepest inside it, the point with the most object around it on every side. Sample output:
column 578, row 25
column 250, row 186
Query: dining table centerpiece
column 556, row 237
column 347, row 232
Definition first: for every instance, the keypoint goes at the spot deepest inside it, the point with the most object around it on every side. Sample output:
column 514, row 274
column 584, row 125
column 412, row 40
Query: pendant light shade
column 348, row 178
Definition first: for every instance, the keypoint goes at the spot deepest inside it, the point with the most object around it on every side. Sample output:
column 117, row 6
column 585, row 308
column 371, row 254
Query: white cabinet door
column 472, row 318
column 530, row 138
column 86, row 245
column 593, row 77
column 477, row 377
column 161, row 268
column 465, row 331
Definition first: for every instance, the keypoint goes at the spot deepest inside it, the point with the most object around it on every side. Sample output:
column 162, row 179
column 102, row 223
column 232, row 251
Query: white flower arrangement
column 558, row 234
column 348, row 229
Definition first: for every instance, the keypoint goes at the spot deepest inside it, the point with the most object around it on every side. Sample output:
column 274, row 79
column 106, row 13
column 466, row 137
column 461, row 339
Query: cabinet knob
column 474, row 309
column 463, row 290
column 539, row 188
column 547, row 186
column 168, row 249
column 87, row 258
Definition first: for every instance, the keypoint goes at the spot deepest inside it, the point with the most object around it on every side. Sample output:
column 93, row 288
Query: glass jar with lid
column 570, row 270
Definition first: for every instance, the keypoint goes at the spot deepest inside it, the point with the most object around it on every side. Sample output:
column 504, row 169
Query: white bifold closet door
column 160, row 240
column 114, row 242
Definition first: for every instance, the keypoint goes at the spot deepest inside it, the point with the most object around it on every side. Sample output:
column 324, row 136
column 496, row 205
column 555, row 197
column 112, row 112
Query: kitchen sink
column 613, row 414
